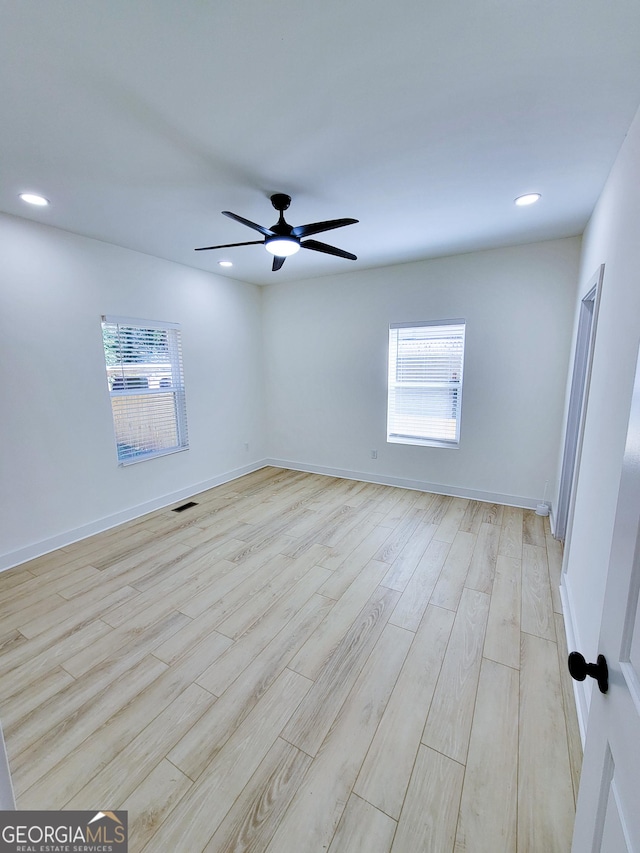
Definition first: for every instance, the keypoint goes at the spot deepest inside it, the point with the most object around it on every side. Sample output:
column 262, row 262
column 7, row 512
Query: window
column 425, row 382
column 146, row 384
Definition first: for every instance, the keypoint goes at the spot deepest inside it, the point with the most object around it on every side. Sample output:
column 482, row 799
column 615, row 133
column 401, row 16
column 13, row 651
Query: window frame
column 141, row 388
column 451, row 387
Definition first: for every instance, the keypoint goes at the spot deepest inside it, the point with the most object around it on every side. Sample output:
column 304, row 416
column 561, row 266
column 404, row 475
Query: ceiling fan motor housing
column 281, row 201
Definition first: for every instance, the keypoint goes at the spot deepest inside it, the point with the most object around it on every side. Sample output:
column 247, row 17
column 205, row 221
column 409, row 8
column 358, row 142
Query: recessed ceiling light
column 530, row 198
column 225, row 263
column 32, row 198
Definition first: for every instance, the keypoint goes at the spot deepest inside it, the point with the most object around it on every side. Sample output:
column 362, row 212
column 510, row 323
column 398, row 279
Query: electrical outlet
column 374, row 454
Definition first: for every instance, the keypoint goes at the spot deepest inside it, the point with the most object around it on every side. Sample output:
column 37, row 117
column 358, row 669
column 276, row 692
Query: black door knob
column 580, row 669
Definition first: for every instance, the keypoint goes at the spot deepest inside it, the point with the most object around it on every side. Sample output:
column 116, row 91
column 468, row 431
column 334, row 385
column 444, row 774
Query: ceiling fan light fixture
column 529, row 198
column 282, row 247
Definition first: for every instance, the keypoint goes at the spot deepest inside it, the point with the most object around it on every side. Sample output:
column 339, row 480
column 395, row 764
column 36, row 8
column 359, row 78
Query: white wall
column 613, row 239
column 58, row 470
column 316, row 351
column 326, row 362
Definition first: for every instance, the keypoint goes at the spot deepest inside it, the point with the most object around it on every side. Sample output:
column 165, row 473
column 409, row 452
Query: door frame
column 577, row 409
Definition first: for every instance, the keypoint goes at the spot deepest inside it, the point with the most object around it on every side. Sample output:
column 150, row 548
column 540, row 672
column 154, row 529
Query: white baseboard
column 37, row 549
column 417, row 485
column 582, row 697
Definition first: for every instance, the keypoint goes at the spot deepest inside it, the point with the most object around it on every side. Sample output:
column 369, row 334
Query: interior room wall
column 59, row 473
column 612, row 238
column 326, row 362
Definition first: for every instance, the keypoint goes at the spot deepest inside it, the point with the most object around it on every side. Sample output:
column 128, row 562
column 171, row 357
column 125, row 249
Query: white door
column 608, row 810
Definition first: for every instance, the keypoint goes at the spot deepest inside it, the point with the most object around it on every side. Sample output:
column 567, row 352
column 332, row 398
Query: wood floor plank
column 237, row 581
column 67, row 614
column 502, row 641
column 346, row 571
column 384, row 776
column 483, row 560
column 363, row 829
column 326, row 638
column 211, row 558
column 472, row 518
column 255, row 815
column 488, row 811
column 437, row 509
column 545, row 790
column 313, row 719
column 37, row 589
column 192, row 822
column 142, row 639
column 203, row 742
column 82, row 761
column 30, row 696
column 401, row 535
column 41, row 756
column 449, row 722
column 405, row 563
column 118, row 779
column 492, row 513
column 537, row 607
column 153, row 558
column 76, row 698
column 413, row 602
column 49, row 648
column 450, row 524
column 197, row 634
column 327, row 529
column 278, row 587
column 510, row 544
column 395, row 505
column 152, row 801
column 346, row 551
column 429, row 816
column 45, row 657
column 16, row 577
column 533, row 530
column 452, row 578
column 554, row 556
column 231, row 663
column 316, row 809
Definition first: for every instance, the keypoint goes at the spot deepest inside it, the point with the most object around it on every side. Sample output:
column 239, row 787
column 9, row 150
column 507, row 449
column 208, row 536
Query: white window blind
column 146, row 384
column 425, row 382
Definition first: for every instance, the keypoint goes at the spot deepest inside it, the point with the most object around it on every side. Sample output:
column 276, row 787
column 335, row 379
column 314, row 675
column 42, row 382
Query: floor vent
column 184, row 506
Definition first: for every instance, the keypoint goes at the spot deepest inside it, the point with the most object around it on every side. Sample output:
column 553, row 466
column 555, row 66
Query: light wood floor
column 299, row 663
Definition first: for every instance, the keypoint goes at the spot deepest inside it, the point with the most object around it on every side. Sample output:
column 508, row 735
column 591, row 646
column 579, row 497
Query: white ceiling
column 141, row 120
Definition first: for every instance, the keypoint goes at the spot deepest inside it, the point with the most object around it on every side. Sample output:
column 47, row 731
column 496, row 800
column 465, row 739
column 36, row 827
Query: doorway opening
column 578, row 397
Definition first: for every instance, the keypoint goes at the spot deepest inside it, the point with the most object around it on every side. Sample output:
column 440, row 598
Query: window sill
column 423, row 442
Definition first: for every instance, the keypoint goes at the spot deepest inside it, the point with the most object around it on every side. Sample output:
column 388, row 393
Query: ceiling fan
column 282, row 239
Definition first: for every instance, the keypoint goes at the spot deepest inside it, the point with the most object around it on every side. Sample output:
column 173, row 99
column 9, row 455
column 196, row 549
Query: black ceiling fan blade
column 278, row 260
column 317, row 227
column 229, row 245
column 329, row 250
column 266, row 231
